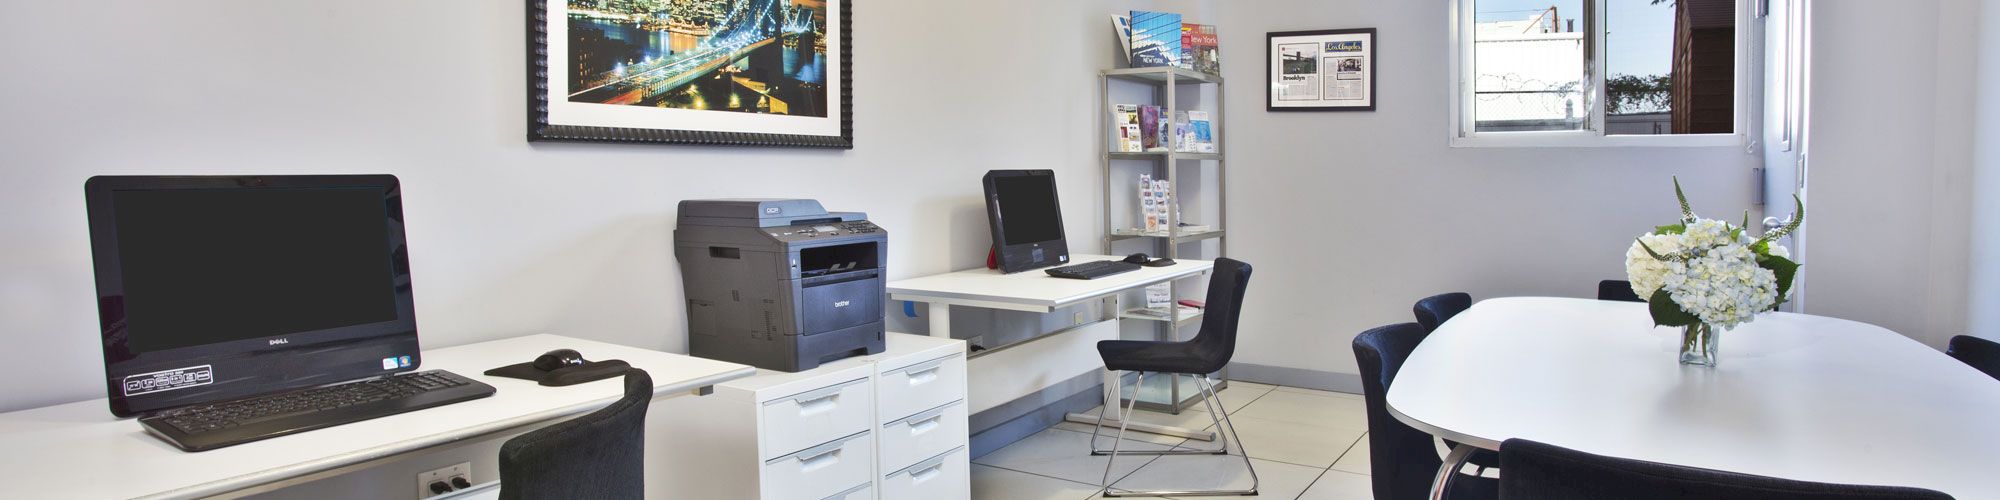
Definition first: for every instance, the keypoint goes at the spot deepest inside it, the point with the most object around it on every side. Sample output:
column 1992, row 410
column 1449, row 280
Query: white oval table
column 1794, row 396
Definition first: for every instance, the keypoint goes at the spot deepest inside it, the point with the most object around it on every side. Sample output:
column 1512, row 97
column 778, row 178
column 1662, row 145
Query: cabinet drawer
column 923, row 435
column 794, row 422
column 820, row 471
column 864, row 491
column 921, row 386
column 944, row 477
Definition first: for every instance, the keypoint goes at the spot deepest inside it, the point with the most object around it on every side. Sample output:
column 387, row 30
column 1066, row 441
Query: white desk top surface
column 1036, row 289
column 1796, row 396
column 79, row 450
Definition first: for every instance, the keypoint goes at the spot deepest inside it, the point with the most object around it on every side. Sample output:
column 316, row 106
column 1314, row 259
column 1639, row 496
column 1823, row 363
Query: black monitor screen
column 207, row 266
column 1028, row 208
column 212, row 288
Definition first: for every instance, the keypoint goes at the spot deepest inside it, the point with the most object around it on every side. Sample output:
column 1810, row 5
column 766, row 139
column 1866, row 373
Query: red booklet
column 1193, row 303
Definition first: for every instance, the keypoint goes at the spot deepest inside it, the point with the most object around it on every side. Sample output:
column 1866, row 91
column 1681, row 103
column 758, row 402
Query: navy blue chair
column 599, row 455
column 1546, row 472
column 1402, row 460
column 1619, row 290
column 1980, row 353
column 1206, row 353
column 1436, row 309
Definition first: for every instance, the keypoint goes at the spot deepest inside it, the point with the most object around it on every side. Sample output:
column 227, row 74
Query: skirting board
column 1002, row 425
column 1295, row 377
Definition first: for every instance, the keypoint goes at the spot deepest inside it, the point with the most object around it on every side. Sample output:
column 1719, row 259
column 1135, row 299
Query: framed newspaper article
column 1322, row 70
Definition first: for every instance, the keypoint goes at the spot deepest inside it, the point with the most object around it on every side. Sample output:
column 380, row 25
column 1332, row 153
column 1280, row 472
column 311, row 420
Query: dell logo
column 772, row 210
column 280, row 341
column 840, row 304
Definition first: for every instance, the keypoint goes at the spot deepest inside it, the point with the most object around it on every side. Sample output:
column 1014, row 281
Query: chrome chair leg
column 1222, row 447
column 1225, row 424
column 1123, row 418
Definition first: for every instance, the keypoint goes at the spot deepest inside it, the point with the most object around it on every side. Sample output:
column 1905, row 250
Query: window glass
column 1528, row 66
column 1671, row 66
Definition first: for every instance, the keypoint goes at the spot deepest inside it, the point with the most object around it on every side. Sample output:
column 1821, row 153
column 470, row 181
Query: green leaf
column 1687, row 212
column 1666, row 312
column 1785, row 270
column 1670, row 229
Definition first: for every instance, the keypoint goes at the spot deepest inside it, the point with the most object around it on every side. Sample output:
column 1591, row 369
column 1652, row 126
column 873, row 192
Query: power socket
column 424, row 480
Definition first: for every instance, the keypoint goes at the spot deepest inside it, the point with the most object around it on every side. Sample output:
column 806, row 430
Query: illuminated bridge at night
column 750, row 25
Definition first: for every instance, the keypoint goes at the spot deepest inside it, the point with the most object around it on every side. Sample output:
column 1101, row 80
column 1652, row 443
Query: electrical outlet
column 1079, row 318
column 444, row 475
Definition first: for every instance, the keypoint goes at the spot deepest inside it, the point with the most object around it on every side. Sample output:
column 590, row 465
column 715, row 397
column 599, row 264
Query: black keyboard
column 211, row 426
column 1092, row 270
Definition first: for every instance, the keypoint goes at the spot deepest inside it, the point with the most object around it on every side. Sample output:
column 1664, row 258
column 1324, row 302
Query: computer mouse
column 559, row 358
column 1137, row 258
column 1159, row 262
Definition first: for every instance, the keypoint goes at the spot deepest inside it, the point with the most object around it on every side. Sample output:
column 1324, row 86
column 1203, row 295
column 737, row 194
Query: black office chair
column 1980, row 353
column 1436, row 309
column 1402, row 460
column 1431, row 312
column 1206, row 353
column 1547, row 472
column 599, row 455
column 1619, row 290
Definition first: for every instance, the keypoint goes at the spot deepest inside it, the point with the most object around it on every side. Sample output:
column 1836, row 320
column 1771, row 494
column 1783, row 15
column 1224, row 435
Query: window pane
column 1528, row 66
column 1671, row 65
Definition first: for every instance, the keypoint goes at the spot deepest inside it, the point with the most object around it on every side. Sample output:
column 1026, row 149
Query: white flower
column 1719, row 282
column 1646, row 272
column 1780, row 251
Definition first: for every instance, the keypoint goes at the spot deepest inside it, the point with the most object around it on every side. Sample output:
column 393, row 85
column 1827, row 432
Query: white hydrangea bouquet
column 1705, row 274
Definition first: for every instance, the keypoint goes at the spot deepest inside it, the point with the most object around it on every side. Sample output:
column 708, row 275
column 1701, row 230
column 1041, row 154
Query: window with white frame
column 1600, row 72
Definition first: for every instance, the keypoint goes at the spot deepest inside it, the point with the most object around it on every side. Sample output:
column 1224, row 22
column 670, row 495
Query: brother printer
column 780, row 284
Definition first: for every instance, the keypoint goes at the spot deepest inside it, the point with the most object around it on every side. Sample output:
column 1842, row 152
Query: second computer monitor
column 1026, row 219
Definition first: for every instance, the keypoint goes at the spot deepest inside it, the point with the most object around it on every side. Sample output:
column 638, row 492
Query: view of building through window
column 1669, row 66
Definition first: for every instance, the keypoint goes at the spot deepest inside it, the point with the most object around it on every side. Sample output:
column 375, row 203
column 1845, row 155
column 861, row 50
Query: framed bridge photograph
column 715, row 72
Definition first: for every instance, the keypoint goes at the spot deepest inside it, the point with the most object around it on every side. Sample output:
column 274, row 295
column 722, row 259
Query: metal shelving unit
column 1165, row 83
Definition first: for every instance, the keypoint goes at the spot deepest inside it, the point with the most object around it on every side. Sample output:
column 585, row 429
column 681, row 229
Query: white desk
column 1795, row 396
column 1003, row 374
column 79, row 450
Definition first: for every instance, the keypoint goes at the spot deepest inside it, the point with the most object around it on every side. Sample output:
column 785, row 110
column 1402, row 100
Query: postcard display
column 1174, row 154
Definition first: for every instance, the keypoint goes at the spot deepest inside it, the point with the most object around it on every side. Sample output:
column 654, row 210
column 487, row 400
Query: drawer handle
column 924, row 376
column 818, row 404
column 927, row 473
column 809, row 463
column 920, row 426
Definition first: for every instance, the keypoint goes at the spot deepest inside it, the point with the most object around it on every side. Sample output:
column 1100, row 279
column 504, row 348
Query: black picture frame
column 540, row 129
column 1369, row 52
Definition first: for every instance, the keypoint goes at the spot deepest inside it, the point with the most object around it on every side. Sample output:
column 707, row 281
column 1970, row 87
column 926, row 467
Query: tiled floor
column 1305, row 444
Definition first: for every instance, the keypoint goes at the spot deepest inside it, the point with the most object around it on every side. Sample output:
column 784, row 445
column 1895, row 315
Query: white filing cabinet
column 890, row 426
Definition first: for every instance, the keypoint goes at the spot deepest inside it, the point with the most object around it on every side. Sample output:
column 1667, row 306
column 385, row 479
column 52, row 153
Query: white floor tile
column 1337, row 485
column 1237, row 396
column 1310, row 409
column 1316, row 392
column 1289, row 442
column 1193, row 420
column 994, row 483
column 1065, row 455
column 1356, row 459
column 1209, row 472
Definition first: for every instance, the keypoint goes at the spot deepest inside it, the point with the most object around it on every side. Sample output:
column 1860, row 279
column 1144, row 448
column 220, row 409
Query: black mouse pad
column 568, row 375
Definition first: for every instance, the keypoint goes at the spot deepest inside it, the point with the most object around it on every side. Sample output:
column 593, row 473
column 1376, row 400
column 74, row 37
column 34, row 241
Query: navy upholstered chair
column 1436, row 309
column 1980, row 353
column 1619, row 290
column 1206, row 353
column 1547, row 472
column 599, row 455
column 1402, row 460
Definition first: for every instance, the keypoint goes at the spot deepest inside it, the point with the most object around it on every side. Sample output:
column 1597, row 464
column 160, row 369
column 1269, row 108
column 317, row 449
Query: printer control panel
column 820, row 230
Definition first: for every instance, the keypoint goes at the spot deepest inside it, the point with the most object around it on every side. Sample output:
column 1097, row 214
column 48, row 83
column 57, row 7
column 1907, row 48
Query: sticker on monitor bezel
column 168, row 380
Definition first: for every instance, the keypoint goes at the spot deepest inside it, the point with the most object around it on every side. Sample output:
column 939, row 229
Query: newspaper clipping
column 1322, row 70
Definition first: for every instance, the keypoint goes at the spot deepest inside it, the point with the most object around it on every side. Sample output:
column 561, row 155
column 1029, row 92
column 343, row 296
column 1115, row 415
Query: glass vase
column 1698, row 344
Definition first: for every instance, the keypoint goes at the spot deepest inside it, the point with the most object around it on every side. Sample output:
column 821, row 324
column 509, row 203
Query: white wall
column 506, row 238
column 1889, row 164
column 1984, row 306
column 1353, row 216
